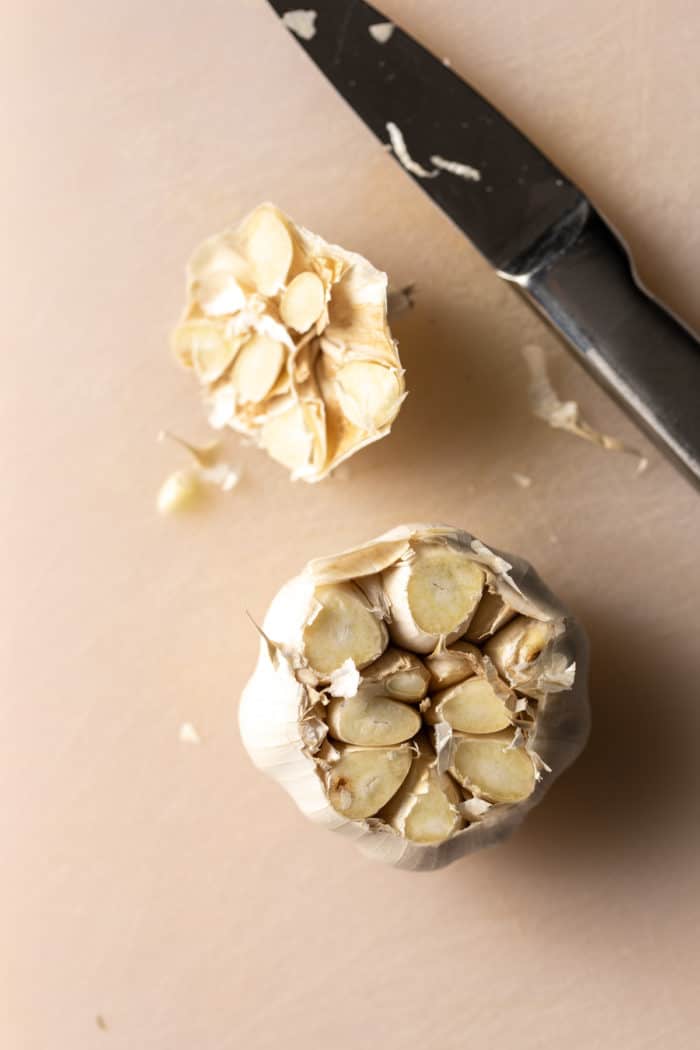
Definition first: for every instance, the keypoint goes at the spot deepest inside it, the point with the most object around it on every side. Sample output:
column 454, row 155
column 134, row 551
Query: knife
column 532, row 224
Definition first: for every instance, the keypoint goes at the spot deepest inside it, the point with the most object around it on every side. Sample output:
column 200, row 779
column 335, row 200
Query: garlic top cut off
column 288, row 338
column 421, row 755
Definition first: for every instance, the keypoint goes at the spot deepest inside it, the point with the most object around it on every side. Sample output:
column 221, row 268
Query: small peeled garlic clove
column 424, row 809
column 433, row 595
column 473, row 706
column 516, row 648
column 178, row 492
column 303, row 301
column 492, row 768
column 343, row 628
column 362, row 780
column 449, row 666
column 372, row 722
column 491, row 614
column 396, row 674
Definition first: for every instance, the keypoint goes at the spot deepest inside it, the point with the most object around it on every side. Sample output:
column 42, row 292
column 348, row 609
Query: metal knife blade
column 532, row 223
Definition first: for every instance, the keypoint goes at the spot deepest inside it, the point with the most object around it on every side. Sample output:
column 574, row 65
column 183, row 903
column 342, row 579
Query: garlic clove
column 375, row 722
column 268, row 248
column 491, row 614
column 257, row 367
column 219, row 294
column 342, row 628
column 219, row 254
column 449, row 666
column 369, row 394
column 424, row 809
column 396, row 674
column 473, row 706
column 362, row 780
column 179, row 492
column 287, row 438
column 203, row 346
column 433, row 595
column 303, row 301
column 517, row 647
column 492, row 768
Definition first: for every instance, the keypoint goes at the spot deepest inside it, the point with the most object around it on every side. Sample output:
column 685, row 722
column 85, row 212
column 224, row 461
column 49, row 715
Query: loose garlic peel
column 288, row 338
column 420, row 755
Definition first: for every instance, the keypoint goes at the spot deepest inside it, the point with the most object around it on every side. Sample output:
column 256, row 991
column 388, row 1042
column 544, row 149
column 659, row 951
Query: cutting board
column 161, row 894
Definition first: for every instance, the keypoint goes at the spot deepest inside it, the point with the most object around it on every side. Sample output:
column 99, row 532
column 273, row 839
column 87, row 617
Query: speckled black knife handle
column 581, row 279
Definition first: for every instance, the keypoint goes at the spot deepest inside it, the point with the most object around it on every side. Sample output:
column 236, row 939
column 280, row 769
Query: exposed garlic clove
column 449, row 666
column 517, row 647
column 303, row 301
column 267, row 245
column 372, row 722
column 433, row 595
column 219, row 254
column 493, row 769
column 219, row 293
column 362, row 780
column 424, row 809
column 396, row 674
column 491, row 614
column 287, row 438
column 473, row 706
column 369, row 394
column 342, row 628
column 257, row 367
column 204, row 346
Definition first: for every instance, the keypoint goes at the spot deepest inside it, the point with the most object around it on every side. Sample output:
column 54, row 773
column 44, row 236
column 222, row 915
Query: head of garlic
column 288, row 338
column 373, row 709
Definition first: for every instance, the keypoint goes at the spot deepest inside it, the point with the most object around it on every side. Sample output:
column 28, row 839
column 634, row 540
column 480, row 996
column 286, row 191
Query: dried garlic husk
column 420, row 758
column 288, row 337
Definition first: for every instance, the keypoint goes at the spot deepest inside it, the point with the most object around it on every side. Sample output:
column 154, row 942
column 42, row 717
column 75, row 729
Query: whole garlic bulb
column 421, row 757
column 288, row 337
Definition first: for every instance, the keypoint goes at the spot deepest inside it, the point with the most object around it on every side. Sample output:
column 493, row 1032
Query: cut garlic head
column 420, row 756
column 288, row 338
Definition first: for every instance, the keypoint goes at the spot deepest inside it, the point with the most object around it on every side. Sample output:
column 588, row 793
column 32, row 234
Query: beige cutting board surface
column 160, row 895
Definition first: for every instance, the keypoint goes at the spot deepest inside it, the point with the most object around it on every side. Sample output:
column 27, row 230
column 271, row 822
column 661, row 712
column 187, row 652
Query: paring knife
column 533, row 225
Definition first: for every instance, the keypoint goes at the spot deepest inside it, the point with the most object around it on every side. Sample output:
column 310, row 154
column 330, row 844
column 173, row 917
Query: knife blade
column 532, row 224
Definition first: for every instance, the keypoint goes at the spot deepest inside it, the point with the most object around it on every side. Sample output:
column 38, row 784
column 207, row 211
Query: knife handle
column 584, row 284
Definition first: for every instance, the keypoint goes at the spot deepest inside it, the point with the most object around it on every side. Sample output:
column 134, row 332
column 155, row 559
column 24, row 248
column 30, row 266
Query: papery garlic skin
column 287, row 730
column 289, row 339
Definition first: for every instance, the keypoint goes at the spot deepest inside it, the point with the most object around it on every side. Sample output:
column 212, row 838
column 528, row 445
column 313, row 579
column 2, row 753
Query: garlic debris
column 546, row 404
column 183, row 489
column 383, row 722
column 288, row 338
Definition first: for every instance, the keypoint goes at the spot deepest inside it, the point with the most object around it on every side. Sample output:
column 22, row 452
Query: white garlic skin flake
column 284, row 711
column 289, row 340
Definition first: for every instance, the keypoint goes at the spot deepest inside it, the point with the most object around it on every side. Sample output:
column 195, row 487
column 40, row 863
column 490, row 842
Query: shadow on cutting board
column 634, row 788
